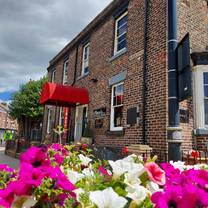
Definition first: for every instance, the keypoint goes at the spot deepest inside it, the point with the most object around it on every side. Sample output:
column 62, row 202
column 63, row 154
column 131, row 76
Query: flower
column 35, row 156
column 125, row 150
column 84, row 146
column 4, row 167
column 137, row 193
column 74, row 176
column 122, row 166
column 155, row 173
column 58, row 158
column 104, row 171
column 61, row 180
column 107, row 198
column 84, row 160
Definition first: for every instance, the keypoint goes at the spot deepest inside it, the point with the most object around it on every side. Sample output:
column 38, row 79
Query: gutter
column 144, row 89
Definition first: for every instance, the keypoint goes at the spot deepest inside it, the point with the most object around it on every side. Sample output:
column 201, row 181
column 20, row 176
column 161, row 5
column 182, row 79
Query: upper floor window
column 120, row 32
column 117, row 107
column 85, row 59
column 53, row 76
column 65, row 72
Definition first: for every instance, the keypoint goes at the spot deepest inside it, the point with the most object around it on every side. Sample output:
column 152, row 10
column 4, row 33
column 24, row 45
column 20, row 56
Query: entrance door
column 80, row 122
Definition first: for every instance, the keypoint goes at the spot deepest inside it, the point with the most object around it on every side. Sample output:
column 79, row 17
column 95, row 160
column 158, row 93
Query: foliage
column 69, row 176
column 25, row 103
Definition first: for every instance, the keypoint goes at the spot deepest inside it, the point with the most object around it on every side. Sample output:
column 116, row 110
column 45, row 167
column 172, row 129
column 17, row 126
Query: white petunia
column 121, row 166
column 153, row 187
column 30, row 202
column 137, row 193
column 74, row 176
column 132, row 157
column 84, row 160
column 88, row 172
column 107, row 198
column 132, row 178
column 78, row 192
column 178, row 165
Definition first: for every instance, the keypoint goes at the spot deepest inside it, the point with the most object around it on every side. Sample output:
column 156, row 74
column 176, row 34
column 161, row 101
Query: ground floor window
column 117, row 107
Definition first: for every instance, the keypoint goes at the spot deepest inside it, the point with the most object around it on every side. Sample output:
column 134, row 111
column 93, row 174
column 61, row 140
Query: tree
column 25, row 102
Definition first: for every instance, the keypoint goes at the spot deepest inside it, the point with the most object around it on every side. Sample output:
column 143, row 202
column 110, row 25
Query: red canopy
column 62, row 95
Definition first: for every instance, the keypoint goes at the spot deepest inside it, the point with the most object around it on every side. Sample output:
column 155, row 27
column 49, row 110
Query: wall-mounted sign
column 98, row 123
column 184, row 116
column 99, row 113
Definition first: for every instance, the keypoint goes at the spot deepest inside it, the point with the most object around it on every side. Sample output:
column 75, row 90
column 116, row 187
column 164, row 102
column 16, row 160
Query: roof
column 94, row 23
column 4, row 107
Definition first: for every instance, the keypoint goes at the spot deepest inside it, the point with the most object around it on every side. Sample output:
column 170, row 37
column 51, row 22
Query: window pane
column 206, row 90
column 205, row 78
column 119, row 99
column 122, row 30
column 206, row 111
column 122, row 21
column 86, row 70
column 118, row 115
column 121, row 45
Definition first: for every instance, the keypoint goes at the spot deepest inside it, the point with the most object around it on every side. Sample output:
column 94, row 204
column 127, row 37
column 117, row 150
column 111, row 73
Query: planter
column 86, row 140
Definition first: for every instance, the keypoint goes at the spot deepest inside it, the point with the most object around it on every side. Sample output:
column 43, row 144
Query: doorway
column 80, row 121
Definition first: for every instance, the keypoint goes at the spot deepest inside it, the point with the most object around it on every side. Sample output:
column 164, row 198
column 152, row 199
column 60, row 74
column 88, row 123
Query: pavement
column 10, row 161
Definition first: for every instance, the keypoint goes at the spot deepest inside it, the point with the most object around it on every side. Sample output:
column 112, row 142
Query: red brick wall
column 191, row 16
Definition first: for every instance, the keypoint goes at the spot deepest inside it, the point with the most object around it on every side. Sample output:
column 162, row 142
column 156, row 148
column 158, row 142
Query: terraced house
column 113, row 77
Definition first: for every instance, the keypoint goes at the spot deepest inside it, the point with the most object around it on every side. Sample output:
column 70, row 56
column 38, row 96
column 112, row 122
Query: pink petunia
column 103, row 171
column 59, row 159
column 155, row 173
column 4, row 167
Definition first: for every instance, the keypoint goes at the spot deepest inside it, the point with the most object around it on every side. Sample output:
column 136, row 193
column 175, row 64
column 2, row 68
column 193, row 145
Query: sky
column 33, row 32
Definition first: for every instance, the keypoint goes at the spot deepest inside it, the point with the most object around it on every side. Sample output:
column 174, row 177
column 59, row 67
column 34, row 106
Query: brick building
column 6, row 122
column 121, row 59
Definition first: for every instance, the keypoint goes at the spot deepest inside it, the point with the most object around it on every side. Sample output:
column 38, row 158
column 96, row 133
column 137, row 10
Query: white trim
column 77, row 121
column 48, row 130
column 85, row 62
column 116, row 38
column 65, row 69
column 112, row 128
column 53, row 76
column 198, row 96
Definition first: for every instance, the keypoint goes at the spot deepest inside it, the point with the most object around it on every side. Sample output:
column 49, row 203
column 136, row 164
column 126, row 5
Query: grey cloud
column 32, row 32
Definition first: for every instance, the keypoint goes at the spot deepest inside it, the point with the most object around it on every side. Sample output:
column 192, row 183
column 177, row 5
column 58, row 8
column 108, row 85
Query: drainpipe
column 174, row 131
column 144, row 137
column 75, row 66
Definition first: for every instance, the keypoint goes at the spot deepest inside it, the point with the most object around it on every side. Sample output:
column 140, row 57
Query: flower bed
column 70, row 176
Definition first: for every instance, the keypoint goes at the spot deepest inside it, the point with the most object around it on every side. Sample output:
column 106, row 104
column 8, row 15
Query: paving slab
column 5, row 159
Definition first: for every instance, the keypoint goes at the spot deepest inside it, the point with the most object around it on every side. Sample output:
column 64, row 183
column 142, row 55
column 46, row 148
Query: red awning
column 61, row 95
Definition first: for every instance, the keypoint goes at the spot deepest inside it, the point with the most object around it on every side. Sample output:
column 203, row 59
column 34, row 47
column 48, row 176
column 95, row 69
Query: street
column 4, row 159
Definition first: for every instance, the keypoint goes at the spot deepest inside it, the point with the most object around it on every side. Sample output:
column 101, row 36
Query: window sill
column 201, row 132
column 82, row 76
column 118, row 54
column 115, row 133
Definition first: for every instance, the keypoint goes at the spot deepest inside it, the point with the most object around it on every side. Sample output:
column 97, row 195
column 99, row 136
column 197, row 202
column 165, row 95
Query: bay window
column 200, row 96
column 117, row 107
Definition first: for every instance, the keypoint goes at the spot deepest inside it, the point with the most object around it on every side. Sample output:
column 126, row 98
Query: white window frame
column 116, row 34
column 49, row 122
column 85, row 62
column 53, row 76
column 198, row 96
column 65, row 72
column 112, row 127
column 61, row 112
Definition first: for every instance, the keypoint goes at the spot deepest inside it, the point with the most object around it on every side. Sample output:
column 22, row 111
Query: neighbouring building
column 126, row 84
column 6, row 122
